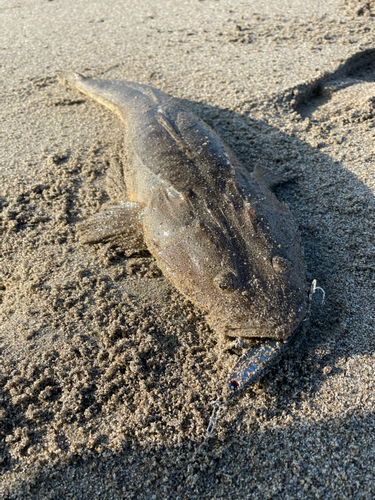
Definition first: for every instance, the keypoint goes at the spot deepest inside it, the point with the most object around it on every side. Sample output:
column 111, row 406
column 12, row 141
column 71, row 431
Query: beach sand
column 107, row 373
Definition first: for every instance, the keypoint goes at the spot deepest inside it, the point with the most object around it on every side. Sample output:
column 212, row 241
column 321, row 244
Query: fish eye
column 226, row 282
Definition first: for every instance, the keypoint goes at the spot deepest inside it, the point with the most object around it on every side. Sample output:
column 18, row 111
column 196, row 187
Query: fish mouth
column 253, row 332
column 282, row 331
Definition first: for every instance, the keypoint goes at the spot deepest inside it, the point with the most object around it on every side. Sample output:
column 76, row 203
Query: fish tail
column 99, row 90
column 70, row 79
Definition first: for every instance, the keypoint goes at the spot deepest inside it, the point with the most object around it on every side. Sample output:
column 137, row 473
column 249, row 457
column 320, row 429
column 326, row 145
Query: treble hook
column 314, row 288
column 214, row 417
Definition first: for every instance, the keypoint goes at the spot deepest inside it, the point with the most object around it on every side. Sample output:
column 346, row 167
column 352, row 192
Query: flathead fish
column 217, row 232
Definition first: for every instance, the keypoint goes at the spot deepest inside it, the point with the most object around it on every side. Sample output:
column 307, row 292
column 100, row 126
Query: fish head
column 240, row 260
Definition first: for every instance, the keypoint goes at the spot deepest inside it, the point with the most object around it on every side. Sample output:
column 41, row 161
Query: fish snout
column 270, row 329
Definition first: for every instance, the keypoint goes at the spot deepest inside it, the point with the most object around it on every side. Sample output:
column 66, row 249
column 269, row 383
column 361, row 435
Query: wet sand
column 107, row 372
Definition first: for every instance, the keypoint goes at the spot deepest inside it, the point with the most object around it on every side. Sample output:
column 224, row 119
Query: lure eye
column 234, row 385
column 227, row 282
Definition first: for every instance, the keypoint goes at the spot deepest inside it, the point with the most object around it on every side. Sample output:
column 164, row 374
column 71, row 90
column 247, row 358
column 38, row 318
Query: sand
column 107, row 372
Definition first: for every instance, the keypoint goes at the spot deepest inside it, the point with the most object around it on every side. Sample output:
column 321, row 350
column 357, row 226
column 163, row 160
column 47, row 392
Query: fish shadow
column 261, row 461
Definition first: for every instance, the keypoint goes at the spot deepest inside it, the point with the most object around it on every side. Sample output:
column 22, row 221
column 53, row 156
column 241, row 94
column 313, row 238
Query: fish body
column 217, row 232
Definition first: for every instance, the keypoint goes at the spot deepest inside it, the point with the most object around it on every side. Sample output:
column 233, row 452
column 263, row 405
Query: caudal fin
column 70, row 79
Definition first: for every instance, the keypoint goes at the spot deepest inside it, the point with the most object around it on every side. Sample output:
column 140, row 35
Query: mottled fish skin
column 218, row 233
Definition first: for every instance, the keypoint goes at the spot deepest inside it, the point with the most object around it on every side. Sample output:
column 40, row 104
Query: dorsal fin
column 269, row 178
column 148, row 91
column 164, row 122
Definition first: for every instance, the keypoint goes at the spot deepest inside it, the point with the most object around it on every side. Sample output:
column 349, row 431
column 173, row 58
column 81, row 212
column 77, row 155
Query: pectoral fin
column 123, row 219
column 269, row 178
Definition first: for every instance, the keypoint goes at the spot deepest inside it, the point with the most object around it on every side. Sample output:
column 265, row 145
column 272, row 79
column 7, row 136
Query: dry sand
column 107, row 372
